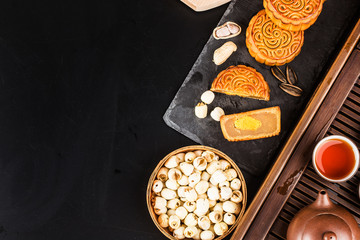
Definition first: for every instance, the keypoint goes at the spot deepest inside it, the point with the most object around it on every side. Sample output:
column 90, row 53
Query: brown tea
column 335, row 159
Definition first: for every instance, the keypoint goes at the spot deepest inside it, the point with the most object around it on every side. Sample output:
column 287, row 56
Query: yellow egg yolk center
column 247, row 123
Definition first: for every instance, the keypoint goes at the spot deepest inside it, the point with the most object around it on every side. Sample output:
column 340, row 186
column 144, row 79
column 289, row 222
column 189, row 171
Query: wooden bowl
column 150, row 194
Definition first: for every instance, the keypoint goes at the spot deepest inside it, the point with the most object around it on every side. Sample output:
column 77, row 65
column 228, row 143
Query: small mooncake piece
column 261, row 123
column 242, row 81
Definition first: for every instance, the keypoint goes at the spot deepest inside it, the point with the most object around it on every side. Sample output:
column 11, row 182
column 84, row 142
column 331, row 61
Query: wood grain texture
column 302, row 155
column 298, row 132
column 203, row 5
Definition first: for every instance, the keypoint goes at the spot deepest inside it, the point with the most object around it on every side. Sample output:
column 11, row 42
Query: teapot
column 323, row 220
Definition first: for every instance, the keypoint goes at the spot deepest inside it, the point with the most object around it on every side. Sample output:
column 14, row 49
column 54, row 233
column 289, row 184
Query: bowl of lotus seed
column 196, row 192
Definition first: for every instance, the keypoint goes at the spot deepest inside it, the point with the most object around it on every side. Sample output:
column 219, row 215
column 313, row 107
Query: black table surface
column 83, row 88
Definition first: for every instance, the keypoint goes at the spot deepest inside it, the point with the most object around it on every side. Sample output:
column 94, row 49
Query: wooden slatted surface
column 298, row 184
column 291, row 184
column 346, row 123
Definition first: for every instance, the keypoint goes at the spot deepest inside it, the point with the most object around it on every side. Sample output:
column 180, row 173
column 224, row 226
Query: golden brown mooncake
column 242, row 81
column 261, row 123
column 293, row 15
column 270, row 44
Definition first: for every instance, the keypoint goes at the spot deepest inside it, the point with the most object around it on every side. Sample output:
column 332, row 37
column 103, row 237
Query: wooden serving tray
column 203, row 5
column 292, row 182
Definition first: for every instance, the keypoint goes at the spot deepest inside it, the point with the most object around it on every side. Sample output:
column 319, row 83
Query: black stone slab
column 322, row 42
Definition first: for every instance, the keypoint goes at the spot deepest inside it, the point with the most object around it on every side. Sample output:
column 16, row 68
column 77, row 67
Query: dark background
column 83, row 88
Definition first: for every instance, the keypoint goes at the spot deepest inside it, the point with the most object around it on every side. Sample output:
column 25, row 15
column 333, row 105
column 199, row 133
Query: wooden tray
column 292, row 183
column 203, row 5
column 322, row 41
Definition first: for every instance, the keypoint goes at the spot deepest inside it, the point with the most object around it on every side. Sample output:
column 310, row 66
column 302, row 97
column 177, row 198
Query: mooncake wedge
column 293, row 15
column 256, row 124
column 242, row 81
column 270, row 44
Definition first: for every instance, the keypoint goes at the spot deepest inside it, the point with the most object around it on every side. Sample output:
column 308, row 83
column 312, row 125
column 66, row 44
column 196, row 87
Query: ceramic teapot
column 323, row 220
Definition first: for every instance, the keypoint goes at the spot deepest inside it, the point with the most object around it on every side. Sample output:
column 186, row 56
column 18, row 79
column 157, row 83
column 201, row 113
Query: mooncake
column 261, row 123
column 242, row 81
column 293, row 15
column 270, row 44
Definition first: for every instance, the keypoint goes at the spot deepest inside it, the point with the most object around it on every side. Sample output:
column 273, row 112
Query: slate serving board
column 322, row 40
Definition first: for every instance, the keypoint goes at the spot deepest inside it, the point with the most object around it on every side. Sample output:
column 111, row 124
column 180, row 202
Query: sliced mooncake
column 242, row 81
column 261, row 123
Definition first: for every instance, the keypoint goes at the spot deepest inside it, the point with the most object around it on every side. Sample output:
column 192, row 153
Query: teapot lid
column 323, row 220
column 327, row 227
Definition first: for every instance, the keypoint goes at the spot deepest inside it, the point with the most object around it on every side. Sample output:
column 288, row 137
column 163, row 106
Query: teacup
column 336, row 158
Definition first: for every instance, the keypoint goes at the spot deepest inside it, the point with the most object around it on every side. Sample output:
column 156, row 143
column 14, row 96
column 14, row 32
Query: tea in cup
column 336, row 158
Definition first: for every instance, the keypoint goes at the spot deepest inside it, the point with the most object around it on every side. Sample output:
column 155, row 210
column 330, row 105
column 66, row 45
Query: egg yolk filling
column 247, row 123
